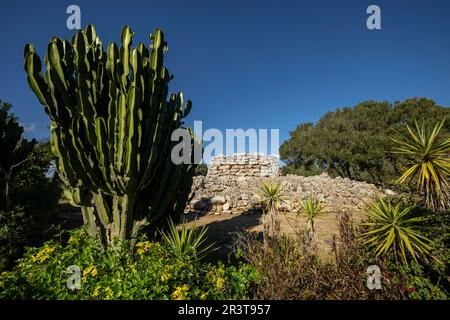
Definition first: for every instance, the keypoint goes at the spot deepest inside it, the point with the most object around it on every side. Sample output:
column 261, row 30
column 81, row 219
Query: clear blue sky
column 253, row 64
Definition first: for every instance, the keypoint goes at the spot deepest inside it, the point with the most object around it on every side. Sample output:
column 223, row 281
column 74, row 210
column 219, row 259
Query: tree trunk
column 8, row 181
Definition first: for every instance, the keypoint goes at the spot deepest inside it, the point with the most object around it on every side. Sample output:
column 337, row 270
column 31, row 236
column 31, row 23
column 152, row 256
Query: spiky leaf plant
column 272, row 196
column 312, row 208
column 430, row 158
column 188, row 242
column 392, row 228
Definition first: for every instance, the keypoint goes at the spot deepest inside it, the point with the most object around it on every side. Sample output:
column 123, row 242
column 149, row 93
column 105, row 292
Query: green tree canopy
column 354, row 142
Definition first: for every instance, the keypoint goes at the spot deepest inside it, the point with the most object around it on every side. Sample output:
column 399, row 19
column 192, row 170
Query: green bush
column 13, row 227
column 35, row 197
column 421, row 286
column 147, row 270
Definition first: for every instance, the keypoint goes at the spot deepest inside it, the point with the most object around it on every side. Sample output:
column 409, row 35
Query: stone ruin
column 243, row 165
column 232, row 185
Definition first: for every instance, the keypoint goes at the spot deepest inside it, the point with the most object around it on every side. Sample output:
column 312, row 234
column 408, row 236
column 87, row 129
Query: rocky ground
column 228, row 205
column 237, row 195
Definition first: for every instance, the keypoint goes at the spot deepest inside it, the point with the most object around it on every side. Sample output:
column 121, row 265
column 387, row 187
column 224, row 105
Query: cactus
column 111, row 126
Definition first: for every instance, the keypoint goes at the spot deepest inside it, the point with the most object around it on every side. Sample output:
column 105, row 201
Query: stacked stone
column 244, row 165
column 222, row 192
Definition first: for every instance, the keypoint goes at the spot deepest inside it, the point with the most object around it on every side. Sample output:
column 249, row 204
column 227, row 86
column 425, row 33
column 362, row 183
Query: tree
column 355, row 142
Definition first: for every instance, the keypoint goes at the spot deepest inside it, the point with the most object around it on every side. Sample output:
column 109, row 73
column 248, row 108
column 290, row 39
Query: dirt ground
column 222, row 229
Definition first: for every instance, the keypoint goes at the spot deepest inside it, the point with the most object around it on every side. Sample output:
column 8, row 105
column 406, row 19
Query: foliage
column 111, row 130
column 430, row 163
column 300, row 170
column 420, row 286
column 187, row 242
column 14, row 226
column 201, row 170
column 391, row 227
column 290, row 269
column 15, row 151
column 32, row 197
column 355, row 142
column 149, row 270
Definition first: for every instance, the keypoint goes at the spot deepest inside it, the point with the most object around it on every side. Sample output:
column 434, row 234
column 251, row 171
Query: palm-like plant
column 272, row 196
column 188, row 243
column 431, row 163
column 312, row 208
column 391, row 228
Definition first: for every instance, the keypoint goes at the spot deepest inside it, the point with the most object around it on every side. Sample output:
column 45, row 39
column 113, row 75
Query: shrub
column 187, row 242
column 289, row 269
column 391, row 228
column 201, row 170
column 28, row 197
column 149, row 270
column 272, row 196
column 430, row 163
column 14, row 226
column 312, row 208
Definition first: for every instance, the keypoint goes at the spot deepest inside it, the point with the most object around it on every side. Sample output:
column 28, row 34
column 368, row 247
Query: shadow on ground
column 223, row 229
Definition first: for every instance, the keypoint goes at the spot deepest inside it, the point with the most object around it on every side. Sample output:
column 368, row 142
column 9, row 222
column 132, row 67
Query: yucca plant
column 312, row 208
column 188, row 242
column 272, row 196
column 431, row 163
column 392, row 228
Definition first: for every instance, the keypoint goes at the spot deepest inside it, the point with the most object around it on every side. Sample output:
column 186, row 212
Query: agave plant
column 431, row 163
column 272, row 196
column 312, row 208
column 392, row 228
column 188, row 242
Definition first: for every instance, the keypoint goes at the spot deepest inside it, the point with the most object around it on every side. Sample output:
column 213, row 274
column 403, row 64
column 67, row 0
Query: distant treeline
column 355, row 142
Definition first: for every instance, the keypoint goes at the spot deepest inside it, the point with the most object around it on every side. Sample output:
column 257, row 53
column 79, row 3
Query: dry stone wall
column 243, row 165
column 231, row 188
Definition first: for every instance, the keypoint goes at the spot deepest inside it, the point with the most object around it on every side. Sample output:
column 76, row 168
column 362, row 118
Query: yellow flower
column 203, row 296
column 109, row 293
column 165, row 277
column 96, row 291
column 220, row 271
column 43, row 255
column 180, row 293
column 144, row 246
column 170, row 268
column 220, row 283
column 91, row 270
column 72, row 239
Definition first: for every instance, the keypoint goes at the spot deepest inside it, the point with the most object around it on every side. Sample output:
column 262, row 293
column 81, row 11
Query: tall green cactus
column 111, row 126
